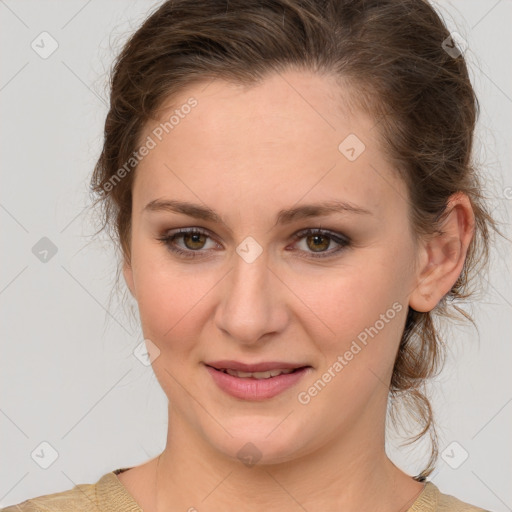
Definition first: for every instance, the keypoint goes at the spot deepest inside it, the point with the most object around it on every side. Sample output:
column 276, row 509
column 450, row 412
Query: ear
column 443, row 254
column 128, row 277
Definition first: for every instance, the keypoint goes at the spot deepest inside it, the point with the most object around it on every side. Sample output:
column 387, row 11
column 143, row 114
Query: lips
column 256, row 381
column 257, row 367
column 257, row 375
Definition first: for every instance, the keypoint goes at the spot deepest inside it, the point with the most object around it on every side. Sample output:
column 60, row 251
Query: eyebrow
column 285, row 216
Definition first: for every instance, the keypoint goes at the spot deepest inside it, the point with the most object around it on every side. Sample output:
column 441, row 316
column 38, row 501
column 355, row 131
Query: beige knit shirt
column 110, row 495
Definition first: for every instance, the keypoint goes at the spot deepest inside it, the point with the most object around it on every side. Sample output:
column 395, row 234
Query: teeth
column 257, row 375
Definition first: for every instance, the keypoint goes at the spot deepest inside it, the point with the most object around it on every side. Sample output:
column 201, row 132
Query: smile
column 255, row 375
column 258, row 384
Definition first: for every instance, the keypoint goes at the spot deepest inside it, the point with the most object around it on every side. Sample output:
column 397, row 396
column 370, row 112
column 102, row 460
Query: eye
column 316, row 241
column 193, row 238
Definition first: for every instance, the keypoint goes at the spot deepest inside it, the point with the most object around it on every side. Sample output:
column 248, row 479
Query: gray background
column 68, row 375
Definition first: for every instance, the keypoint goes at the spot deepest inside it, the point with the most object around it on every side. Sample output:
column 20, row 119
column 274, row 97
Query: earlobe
column 128, row 277
column 444, row 254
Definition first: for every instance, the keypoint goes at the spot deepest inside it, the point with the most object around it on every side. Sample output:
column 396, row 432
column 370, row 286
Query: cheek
column 349, row 300
column 366, row 312
column 364, row 305
column 171, row 302
column 335, row 305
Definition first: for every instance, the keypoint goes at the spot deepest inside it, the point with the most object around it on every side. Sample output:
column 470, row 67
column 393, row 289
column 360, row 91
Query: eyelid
column 184, row 231
column 339, row 238
column 322, row 231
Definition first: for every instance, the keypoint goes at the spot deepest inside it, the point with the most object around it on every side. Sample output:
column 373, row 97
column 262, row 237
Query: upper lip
column 257, row 367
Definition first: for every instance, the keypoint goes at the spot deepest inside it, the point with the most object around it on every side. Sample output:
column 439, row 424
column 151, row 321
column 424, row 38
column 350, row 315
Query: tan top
column 110, row 495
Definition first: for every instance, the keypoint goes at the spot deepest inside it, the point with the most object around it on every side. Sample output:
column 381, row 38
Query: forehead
column 278, row 140
column 295, row 108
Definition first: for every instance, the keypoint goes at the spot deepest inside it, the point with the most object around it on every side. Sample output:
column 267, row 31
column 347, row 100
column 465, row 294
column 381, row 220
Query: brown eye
column 194, row 240
column 317, row 241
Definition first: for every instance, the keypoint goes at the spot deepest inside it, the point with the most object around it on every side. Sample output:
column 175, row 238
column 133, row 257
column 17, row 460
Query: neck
column 350, row 472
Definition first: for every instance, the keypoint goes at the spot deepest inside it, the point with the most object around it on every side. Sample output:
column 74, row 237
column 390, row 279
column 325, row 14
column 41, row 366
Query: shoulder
column 433, row 500
column 449, row 503
column 80, row 498
column 106, row 494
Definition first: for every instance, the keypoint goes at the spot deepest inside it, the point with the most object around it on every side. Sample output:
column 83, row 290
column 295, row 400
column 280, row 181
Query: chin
column 259, row 440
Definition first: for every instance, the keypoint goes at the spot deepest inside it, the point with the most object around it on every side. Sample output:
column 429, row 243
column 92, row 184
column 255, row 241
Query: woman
column 291, row 187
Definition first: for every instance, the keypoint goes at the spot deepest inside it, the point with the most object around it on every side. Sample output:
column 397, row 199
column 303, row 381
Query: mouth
column 256, row 375
column 255, row 381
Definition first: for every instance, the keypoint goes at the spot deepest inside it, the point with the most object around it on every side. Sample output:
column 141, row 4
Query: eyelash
column 168, row 241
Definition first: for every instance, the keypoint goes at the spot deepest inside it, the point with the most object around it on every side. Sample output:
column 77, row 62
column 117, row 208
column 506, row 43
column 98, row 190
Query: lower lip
column 255, row 389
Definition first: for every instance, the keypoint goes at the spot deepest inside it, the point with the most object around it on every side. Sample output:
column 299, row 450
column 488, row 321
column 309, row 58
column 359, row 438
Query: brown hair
column 391, row 51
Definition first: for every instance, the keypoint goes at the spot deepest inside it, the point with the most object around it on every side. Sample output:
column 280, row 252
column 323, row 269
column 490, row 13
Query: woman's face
column 251, row 287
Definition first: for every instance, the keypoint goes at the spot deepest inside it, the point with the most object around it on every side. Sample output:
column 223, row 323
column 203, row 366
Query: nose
column 253, row 303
